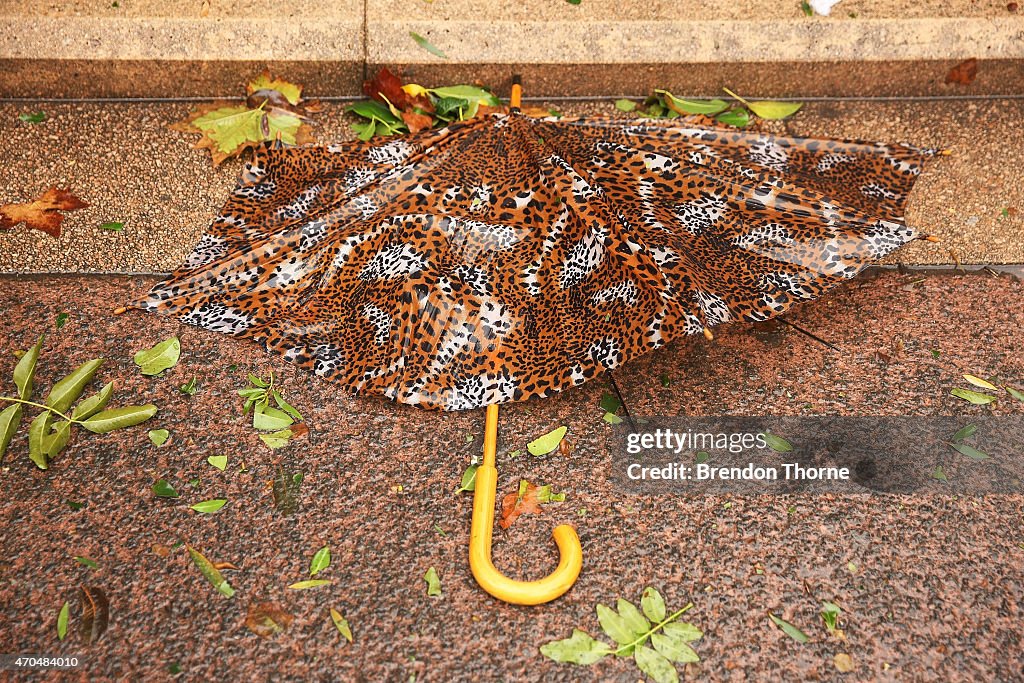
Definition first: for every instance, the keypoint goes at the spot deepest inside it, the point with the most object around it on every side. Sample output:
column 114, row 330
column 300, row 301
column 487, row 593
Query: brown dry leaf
column 267, row 619
column 844, row 664
column 42, row 213
column 95, row 613
column 417, row 122
column 513, row 505
column 299, row 430
column 161, row 550
column 963, row 73
column 224, row 565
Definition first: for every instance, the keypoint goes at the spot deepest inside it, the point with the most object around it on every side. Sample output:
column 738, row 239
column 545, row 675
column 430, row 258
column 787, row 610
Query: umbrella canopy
column 508, row 257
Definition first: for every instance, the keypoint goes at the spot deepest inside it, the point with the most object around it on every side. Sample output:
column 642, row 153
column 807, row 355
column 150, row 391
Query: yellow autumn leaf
column 414, row 89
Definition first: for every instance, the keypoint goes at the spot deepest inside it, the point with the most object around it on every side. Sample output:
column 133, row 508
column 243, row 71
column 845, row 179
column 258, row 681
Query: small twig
column 40, row 405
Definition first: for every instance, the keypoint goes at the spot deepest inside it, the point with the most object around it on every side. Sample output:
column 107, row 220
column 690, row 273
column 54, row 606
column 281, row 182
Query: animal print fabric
column 508, row 257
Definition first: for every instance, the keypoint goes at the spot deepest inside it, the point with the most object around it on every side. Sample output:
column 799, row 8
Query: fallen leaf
column 981, row 383
column 341, row 624
column 427, row 45
column 518, row 503
column 218, row 461
column 161, row 357
column 310, row 583
column 267, row 619
column 112, row 226
column 974, row 397
column 843, row 662
column 547, row 443
column 62, row 620
column 625, row 105
column 963, row 73
column 290, row 91
column 468, row 479
column 163, row 489
column 32, row 117
column 95, row 613
column 209, row 506
column 417, row 122
column 321, row 561
column 777, row 443
column 159, row 436
column 211, row 572
column 970, row 451
column 91, row 564
column 42, row 213
column 789, row 629
column 433, row 582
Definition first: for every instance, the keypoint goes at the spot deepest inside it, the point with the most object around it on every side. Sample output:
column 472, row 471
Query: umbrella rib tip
column 931, row 238
column 120, row 309
column 708, row 335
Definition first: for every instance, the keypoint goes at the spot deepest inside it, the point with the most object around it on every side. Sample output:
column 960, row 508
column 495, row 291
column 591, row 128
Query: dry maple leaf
column 964, row 72
column 514, row 505
column 42, row 213
column 273, row 110
column 267, row 619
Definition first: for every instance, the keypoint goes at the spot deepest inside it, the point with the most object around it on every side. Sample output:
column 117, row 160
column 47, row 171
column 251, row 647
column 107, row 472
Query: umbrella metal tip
column 931, row 238
column 120, row 309
column 945, row 152
column 708, row 335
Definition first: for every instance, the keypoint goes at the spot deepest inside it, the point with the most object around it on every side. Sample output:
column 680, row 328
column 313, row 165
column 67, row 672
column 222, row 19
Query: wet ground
column 931, row 586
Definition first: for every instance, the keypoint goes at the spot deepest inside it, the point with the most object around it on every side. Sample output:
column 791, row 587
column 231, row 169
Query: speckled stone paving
column 931, row 587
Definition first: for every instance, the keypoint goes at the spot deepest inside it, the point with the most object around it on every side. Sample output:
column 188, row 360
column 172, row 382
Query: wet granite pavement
column 934, row 592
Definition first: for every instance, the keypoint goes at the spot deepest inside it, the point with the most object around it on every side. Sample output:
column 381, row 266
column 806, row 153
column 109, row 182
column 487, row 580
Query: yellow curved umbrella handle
column 489, row 578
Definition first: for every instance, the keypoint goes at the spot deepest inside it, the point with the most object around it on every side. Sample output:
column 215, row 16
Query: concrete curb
column 157, row 56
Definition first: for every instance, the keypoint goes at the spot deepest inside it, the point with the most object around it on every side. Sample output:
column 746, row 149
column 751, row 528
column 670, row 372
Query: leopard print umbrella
column 509, row 257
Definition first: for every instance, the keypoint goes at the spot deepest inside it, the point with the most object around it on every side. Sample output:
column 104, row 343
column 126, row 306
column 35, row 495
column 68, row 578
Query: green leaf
column 189, row 387
column 62, row 318
column 286, row 407
column 25, row 371
column 706, row 107
column 544, row 494
column 118, row 418
column 469, row 479
column 830, row 612
column 91, row 564
column 974, row 397
column 470, row 93
column 37, row 433
column 373, row 110
column 655, row 665
column 321, row 561
column 10, row 420
column 683, row 631
column 547, row 443
column 612, row 419
column 341, row 624
column 270, row 419
column 616, row 627
column 209, row 506
column 777, row 443
column 112, row 226
column 653, row 604
column 211, row 573
column 258, row 381
column 427, row 45
column 365, row 131
column 55, row 441
column 773, row 111
column 665, row 380
column 1016, row 394
column 610, row 403
column 673, row 649
column 625, row 105
column 965, row 432
column 702, row 456
column 277, row 439
column 433, row 582
column 218, row 461
column 635, row 621
column 574, row 2
column 62, row 620
column 163, row 489
column 970, row 451
column 580, row 648
column 94, row 403
column 738, row 117
column 805, row 7
column 67, row 390
column 789, row 629
column 980, row 383
column 161, row 357
column 159, row 437
column 310, row 583
column 32, row 117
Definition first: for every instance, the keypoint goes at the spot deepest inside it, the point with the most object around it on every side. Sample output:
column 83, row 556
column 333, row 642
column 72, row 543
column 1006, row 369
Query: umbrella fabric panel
column 507, row 257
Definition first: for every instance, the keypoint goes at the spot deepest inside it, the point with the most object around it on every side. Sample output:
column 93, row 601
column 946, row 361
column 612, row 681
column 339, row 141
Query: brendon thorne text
column 791, row 471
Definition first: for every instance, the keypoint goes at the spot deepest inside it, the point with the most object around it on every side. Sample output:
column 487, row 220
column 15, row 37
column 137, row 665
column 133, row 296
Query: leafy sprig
column 47, row 438
column 653, row 639
column 738, row 113
column 276, row 424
